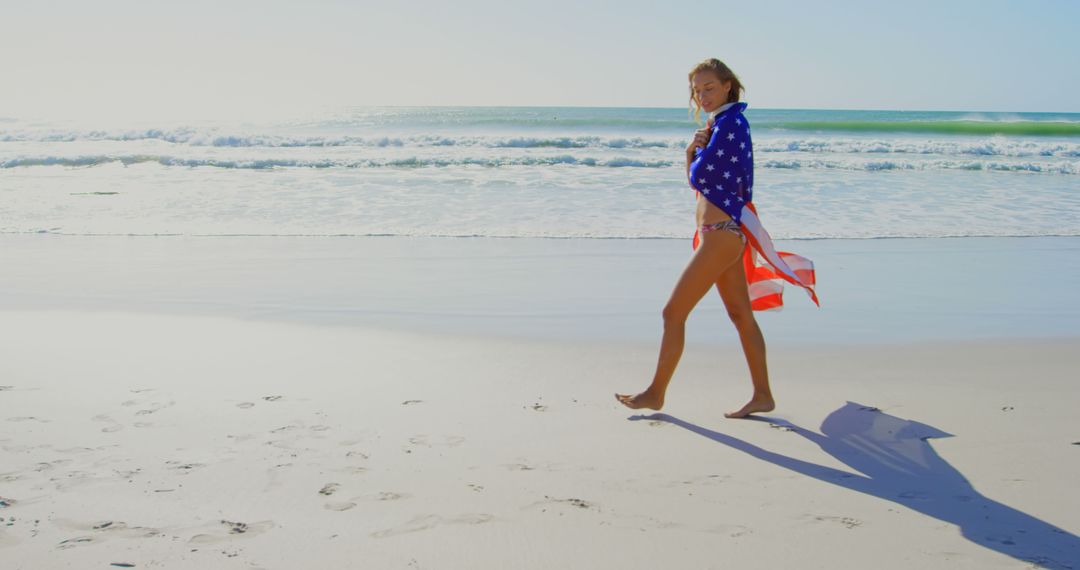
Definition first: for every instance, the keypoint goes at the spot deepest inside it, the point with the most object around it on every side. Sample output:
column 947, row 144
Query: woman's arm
column 724, row 165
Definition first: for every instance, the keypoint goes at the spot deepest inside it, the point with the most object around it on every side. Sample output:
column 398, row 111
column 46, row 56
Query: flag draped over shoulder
column 723, row 174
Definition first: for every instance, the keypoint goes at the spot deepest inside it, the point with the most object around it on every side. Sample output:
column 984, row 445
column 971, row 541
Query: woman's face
column 709, row 91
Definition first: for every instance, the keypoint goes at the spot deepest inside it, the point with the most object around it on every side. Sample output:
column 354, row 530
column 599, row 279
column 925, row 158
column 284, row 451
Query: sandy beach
column 150, row 422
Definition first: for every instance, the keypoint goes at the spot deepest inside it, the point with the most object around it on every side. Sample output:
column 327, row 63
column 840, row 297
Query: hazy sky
column 211, row 58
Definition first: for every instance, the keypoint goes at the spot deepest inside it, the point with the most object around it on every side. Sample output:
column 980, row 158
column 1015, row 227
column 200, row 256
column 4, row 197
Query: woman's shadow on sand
column 895, row 461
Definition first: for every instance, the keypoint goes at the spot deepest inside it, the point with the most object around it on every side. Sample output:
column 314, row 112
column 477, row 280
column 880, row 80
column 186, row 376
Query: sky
column 195, row 58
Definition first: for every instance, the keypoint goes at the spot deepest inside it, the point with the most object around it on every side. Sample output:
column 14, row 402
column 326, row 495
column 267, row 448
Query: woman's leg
column 732, row 288
column 716, row 253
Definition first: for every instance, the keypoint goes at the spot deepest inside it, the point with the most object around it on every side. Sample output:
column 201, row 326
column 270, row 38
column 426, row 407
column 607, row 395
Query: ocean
column 613, row 173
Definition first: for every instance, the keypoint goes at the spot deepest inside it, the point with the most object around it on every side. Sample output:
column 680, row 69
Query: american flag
column 723, row 173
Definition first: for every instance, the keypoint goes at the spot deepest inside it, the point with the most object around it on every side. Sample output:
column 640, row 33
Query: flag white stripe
column 753, row 225
column 797, row 262
column 760, row 289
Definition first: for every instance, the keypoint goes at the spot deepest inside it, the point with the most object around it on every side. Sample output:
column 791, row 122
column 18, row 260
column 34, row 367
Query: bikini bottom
column 728, row 225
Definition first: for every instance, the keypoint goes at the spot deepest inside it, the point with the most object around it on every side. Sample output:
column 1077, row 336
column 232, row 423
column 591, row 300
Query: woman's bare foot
column 646, row 399
column 756, row 404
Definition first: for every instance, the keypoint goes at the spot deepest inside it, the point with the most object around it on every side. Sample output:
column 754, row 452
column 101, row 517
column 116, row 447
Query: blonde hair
column 723, row 73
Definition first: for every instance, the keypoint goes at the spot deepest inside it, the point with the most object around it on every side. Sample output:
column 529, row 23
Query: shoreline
column 872, row 291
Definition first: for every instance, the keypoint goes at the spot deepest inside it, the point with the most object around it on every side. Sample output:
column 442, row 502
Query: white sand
column 164, row 440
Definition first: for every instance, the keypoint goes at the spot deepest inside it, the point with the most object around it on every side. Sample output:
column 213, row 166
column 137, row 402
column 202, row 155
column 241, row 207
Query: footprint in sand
column 848, row 522
column 6, row 388
column 106, row 527
column 235, row 527
column 271, row 398
column 447, row 441
column 519, row 467
column 226, row 530
column 431, row 521
column 419, row 440
column 183, row 467
column 127, row 473
column 740, row 531
column 578, row 503
column 73, row 542
column 104, row 418
column 352, row 501
column 329, row 489
column 391, row 496
column 76, row 449
column 48, row 465
column 154, row 406
column 245, row 405
column 408, row 402
column 546, row 467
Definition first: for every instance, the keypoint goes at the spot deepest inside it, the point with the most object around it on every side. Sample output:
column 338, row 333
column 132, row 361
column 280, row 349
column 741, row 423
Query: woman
column 719, row 165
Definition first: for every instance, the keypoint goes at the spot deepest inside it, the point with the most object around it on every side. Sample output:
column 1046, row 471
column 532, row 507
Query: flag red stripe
column 765, row 280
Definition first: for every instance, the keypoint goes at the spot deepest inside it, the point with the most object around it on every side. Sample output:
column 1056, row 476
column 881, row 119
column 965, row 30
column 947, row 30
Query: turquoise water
column 539, row 172
column 660, row 119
